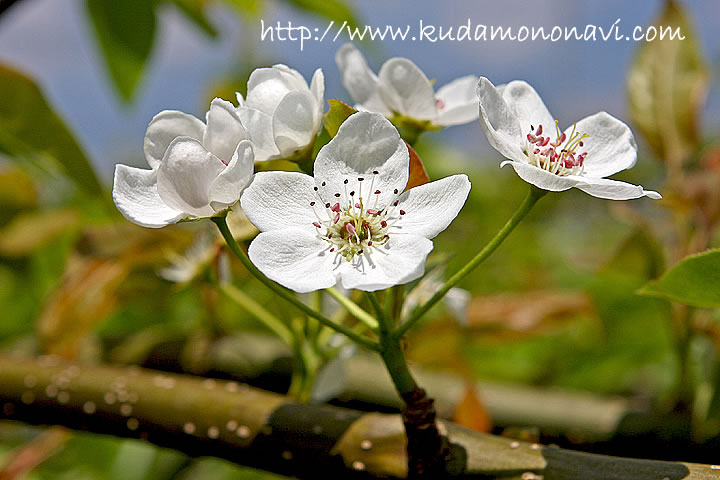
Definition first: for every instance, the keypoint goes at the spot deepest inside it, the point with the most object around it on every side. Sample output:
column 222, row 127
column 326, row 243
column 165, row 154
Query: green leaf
column 249, row 8
column 32, row 130
column 338, row 113
column 667, row 85
column 694, row 281
column 331, row 9
column 640, row 256
column 194, row 10
column 125, row 32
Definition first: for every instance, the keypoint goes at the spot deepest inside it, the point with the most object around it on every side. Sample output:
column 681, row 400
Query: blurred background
column 554, row 310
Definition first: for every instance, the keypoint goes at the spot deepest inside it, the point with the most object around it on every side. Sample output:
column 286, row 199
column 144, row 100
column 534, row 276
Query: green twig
column 354, row 309
column 286, row 294
column 259, row 312
column 533, row 196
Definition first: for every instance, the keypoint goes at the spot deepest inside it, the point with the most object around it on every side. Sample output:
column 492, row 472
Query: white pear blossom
column 401, row 88
column 519, row 126
column 197, row 169
column 352, row 222
column 282, row 115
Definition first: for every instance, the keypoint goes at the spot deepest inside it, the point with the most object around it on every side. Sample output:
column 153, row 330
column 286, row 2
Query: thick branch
column 251, row 427
column 363, row 378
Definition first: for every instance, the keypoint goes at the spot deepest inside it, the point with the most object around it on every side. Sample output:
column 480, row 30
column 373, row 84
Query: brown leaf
column 418, row 174
column 33, row 230
column 471, row 412
column 85, row 296
column 526, row 312
column 667, row 85
column 25, row 458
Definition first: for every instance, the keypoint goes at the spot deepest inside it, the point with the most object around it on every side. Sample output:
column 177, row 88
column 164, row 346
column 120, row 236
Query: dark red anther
column 383, row 224
column 402, row 212
column 336, row 207
column 372, row 211
column 317, row 225
column 539, row 130
column 377, row 192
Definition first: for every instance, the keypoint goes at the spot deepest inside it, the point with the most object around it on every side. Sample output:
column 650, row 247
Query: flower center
column 562, row 156
column 358, row 224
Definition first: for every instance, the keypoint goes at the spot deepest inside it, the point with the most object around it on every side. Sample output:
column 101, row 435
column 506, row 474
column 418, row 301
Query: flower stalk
column 283, row 292
column 533, row 196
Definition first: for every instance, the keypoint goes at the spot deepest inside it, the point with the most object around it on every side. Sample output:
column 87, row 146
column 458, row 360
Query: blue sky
column 52, row 41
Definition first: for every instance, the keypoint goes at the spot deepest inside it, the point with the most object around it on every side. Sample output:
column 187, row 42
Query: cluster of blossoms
column 354, row 222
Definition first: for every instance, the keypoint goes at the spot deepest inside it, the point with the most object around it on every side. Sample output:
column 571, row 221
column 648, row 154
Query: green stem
column 286, row 294
column 354, row 309
column 372, row 296
column 260, row 313
column 394, row 359
column 533, row 196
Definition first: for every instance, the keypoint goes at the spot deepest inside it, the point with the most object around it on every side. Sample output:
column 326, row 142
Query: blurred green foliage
column 78, row 280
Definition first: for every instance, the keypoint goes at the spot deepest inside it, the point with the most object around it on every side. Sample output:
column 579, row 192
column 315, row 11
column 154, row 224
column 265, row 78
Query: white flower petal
column 360, row 82
column 529, row 108
column 542, row 178
column 365, row 143
column 294, row 122
column 610, row 146
column 240, row 99
column 225, row 190
column 317, row 87
column 224, row 130
column 613, row 189
column 294, row 258
column 164, row 128
column 135, row 195
column 430, row 208
column 260, row 130
column 400, row 260
column 457, row 102
column 499, row 122
column 185, row 176
column 268, row 86
column 280, row 200
column 406, row 89
column 457, row 302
